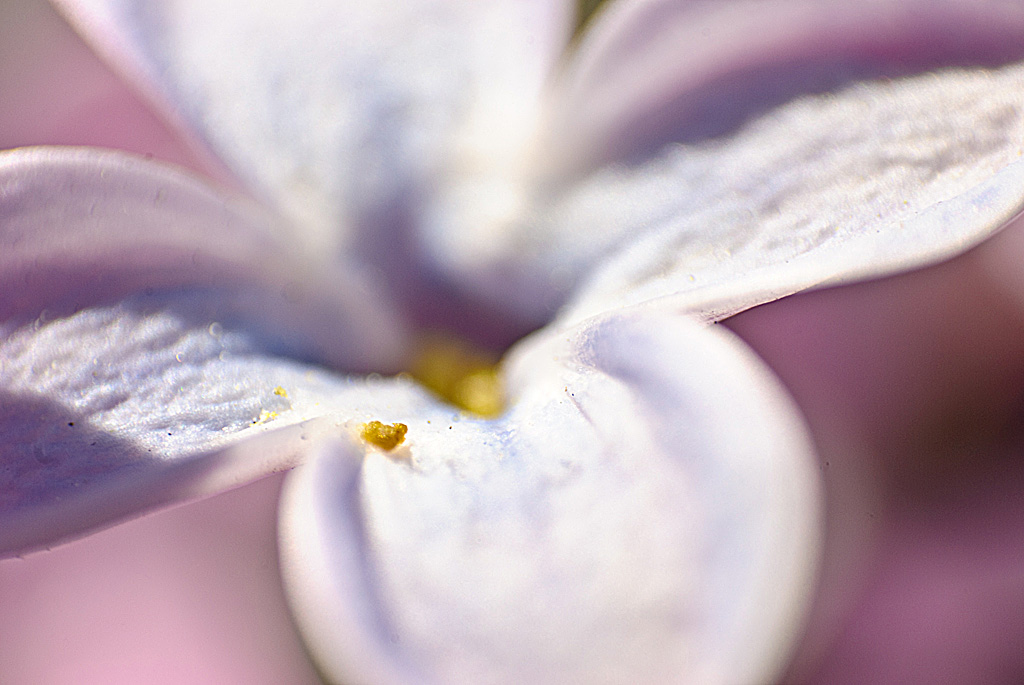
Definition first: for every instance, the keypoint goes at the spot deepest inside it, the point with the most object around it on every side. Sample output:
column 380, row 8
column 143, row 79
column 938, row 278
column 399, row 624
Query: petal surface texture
column 646, row 511
column 649, row 71
column 737, row 152
column 141, row 323
column 342, row 113
column 877, row 179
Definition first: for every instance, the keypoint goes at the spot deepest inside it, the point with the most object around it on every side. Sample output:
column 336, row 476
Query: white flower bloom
column 646, row 508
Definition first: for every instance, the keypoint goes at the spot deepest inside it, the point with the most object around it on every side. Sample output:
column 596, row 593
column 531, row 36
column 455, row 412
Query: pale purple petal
column 877, row 179
column 143, row 323
column 910, row 165
column 342, row 113
column 651, row 71
column 117, row 410
column 645, row 512
column 81, row 227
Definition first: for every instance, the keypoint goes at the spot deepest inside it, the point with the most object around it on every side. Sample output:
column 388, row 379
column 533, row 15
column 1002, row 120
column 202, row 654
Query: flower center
column 454, row 370
column 460, row 374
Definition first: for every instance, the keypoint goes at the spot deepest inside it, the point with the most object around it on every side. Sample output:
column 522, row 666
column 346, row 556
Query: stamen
column 460, row 374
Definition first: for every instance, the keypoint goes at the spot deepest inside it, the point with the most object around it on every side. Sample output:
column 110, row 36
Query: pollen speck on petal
column 385, row 436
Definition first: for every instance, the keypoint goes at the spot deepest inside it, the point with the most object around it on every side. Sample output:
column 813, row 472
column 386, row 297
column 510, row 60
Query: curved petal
column 876, row 179
column 116, row 410
column 873, row 177
column 646, row 512
column 652, row 71
column 139, row 321
column 80, row 227
column 339, row 111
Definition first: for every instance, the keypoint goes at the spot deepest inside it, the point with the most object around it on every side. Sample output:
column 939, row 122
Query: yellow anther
column 480, row 393
column 460, row 374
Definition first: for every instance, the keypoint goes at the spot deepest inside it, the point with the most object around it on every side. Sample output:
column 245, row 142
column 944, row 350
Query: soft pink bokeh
column 56, row 92
column 190, row 595
column 914, row 388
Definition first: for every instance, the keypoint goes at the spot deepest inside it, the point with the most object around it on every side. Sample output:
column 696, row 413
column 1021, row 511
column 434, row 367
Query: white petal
column 139, row 322
column 117, row 410
column 877, row 179
column 650, row 71
column 82, row 227
column 878, row 176
column 646, row 512
column 342, row 112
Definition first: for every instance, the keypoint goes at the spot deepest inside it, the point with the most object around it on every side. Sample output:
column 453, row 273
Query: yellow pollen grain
column 385, row 436
column 264, row 417
column 281, row 392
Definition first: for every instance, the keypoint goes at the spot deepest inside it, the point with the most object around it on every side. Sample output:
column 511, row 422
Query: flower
column 646, row 507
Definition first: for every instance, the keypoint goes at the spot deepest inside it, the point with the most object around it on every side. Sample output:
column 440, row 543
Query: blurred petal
column 911, row 385
column 652, row 71
column 945, row 596
column 81, row 227
column 645, row 512
column 336, row 110
column 139, row 326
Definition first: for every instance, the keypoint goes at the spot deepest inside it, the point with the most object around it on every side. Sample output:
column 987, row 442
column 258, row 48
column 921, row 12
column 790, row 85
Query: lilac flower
column 645, row 508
